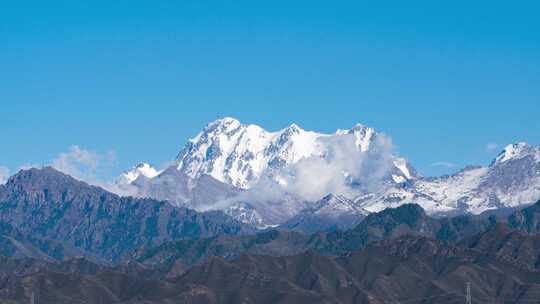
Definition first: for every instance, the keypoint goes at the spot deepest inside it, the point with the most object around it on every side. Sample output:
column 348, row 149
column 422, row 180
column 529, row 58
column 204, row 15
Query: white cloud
column 490, row 147
column 92, row 167
column 315, row 177
column 343, row 170
column 4, row 175
column 85, row 165
column 444, row 164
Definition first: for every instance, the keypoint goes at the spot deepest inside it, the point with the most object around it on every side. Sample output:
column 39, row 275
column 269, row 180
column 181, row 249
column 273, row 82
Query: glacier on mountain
column 268, row 178
column 511, row 180
column 239, row 154
column 141, row 169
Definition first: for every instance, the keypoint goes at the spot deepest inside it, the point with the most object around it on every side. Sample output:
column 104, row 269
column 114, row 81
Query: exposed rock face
column 514, row 246
column 399, row 254
column 176, row 257
column 388, row 224
column 228, row 158
column 333, row 212
column 48, row 215
column 46, row 204
column 405, row 269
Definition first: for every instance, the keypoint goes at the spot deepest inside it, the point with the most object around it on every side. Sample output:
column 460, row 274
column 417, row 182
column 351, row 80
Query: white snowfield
column 241, row 156
column 142, row 169
column 512, row 179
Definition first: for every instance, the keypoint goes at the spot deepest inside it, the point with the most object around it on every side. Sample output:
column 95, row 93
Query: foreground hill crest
column 44, row 204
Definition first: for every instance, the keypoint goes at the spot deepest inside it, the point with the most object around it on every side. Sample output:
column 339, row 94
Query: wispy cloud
column 4, row 175
column 341, row 169
column 444, row 164
column 92, row 167
column 85, row 165
column 490, row 147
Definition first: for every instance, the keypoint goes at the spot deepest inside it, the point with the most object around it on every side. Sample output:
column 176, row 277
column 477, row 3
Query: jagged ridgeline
column 244, row 215
column 64, row 241
column 284, row 177
column 53, row 212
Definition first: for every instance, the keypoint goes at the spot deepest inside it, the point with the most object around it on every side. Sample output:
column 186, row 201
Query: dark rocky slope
column 407, row 269
column 177, row 256
column 46, row 204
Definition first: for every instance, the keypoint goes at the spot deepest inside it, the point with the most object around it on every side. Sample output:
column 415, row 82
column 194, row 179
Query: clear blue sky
column 442, row 78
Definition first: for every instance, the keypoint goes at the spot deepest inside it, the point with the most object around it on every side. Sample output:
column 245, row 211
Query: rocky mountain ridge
column 253, row 175
column 406, row 269
column 68, row 242
column 49, row 205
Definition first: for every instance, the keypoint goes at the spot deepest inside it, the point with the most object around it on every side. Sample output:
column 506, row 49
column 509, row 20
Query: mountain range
column 173, row 258
column 246, row 215
column 48, row 215
column 282, row 178
column 48, row 211
column 408, row 269
column 64, row 241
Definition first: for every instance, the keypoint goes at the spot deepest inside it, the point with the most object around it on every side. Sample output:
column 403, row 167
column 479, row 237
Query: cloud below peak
column 341, row 169
column 86, row 165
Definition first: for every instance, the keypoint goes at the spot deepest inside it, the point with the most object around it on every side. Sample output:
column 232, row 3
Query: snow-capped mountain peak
column 225, row 121
column 287, row 165
column 239, row 154
column 293, row 129
column 517, row 151
column 364, row 136
column 141, row 169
